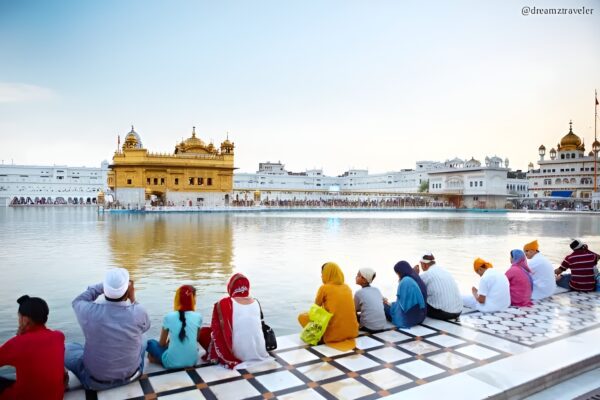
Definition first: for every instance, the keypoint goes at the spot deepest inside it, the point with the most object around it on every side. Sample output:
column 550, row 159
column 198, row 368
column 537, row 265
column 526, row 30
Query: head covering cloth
column 481, row 263
column 404, row 269
column 517, row 257
column 368, row 274
column 531, row 246
column 185, row 299
column 220, row 348
column 332, row 274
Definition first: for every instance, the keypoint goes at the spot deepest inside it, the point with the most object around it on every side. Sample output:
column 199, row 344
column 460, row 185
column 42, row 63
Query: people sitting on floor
column 368, row 302
column 235, row 337
column 37, row 354
column 410, row 307
column 519, row 279
column 582, row 263
column 443, row 296
column 178, row 343
column 542, row 272
column 494, row 291
column 336, row 297
column 113, row 324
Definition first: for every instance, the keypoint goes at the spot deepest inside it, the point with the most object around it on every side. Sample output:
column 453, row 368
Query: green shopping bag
column 314, row 330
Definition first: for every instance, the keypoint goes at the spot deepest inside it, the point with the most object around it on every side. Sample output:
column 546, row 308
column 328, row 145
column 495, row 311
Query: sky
column 314, row 84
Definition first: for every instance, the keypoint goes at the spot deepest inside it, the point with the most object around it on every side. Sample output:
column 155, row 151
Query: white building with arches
column 568, row 173
column 56, row 184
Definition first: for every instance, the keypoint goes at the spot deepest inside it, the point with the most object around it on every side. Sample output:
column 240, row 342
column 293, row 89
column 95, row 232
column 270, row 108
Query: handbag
column 315, row 329
column 268, row 332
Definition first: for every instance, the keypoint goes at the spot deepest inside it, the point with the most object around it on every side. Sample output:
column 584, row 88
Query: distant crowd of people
column 344, row 203
column 114, row 323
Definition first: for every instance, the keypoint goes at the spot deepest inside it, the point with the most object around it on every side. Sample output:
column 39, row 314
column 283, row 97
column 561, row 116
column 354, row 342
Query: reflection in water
column 55, row 253
column 181, row 246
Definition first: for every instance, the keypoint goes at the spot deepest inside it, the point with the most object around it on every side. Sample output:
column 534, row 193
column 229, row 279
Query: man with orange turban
column 542, row 273
column 494, row 291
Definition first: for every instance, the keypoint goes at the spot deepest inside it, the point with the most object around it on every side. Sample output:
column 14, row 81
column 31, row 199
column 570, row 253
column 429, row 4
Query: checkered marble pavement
column 381, row 364
column 548, row 319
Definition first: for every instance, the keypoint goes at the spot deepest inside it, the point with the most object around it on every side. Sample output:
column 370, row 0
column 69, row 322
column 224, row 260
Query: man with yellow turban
column 542, row 273
column 494, row 290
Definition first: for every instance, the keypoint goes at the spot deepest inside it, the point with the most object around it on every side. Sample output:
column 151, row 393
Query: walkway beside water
column 503, row 355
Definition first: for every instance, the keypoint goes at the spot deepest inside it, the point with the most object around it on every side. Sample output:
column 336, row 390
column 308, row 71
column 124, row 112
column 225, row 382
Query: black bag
column 269, row 334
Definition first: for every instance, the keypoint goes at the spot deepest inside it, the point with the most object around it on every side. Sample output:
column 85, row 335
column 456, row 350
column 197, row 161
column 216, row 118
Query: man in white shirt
column 542, row 272
column 443, row 296
column 494, row 291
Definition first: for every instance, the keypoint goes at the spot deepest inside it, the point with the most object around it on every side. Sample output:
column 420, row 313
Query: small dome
column 591, row 154
column 570, row 141
column 596, row 145
column 132, row 140
column 542, row 147
column 530, row 165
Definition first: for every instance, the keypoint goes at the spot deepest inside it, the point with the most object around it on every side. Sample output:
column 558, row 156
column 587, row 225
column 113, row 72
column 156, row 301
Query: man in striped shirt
column 582, row 263
column 444, row 300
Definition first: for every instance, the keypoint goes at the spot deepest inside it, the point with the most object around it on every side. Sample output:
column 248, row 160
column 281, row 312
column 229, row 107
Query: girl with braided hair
column 178, row 344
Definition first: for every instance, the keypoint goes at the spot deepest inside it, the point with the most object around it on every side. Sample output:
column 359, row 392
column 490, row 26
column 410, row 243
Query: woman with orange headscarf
column 178, row 344
column 336, row 297
column 236, row 338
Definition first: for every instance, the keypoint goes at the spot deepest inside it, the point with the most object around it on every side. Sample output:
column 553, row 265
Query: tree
column 424, row 187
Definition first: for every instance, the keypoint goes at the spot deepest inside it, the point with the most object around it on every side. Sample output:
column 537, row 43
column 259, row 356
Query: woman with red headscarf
column 236, row 336
column 178, row 344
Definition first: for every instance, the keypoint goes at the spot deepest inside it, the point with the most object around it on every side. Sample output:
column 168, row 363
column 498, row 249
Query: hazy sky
column 331, row 84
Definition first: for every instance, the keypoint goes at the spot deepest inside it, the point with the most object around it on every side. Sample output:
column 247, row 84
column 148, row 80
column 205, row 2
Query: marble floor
column 436, row 356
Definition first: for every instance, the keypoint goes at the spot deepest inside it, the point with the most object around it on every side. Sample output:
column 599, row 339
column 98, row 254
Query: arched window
column 557, row 181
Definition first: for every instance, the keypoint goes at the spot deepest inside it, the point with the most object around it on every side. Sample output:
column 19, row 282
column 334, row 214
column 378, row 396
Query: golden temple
column 196, row 174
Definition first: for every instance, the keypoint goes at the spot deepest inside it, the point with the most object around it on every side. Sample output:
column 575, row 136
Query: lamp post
column 542, row 151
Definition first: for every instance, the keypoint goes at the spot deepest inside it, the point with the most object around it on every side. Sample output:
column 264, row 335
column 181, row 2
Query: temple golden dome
column 193, row 141
column 570, row 141
column 192, row 144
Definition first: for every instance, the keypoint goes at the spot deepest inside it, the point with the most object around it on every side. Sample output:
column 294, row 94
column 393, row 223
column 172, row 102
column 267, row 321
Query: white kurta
column 248, row 340
column 542, row 272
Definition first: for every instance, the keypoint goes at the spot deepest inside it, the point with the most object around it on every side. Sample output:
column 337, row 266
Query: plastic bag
column 315, row 329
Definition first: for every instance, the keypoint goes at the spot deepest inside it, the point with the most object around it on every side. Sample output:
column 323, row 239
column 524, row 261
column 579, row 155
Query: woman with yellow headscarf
column 336, row 297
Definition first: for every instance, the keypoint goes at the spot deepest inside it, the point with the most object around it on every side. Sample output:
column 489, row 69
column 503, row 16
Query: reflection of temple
column 186, row 246
column 196, row 174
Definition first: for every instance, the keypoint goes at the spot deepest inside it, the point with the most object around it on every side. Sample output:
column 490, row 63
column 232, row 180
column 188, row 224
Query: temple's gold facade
column 197, row 174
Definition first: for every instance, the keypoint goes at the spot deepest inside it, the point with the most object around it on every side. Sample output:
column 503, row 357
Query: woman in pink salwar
column 519, row 278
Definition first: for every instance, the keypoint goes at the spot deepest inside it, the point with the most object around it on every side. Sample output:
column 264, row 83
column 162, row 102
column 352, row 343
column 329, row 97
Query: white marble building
column 568, row 173
column 56, row 184
column 467, row 183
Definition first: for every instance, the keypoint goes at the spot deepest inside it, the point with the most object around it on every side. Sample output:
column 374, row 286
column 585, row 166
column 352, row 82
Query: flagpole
column 595, row 142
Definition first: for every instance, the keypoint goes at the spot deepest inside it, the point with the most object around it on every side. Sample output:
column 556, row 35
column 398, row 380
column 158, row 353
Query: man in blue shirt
column 113, row 324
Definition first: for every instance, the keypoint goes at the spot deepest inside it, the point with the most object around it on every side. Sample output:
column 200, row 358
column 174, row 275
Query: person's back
column 442, row 291
column 495, row 287
column 369, row 302
column 181, row 353
column 248, row 341
column 520, row 286
column 113, row 324
column 581, row 263
column 37, row 353
column 38, row 356
column 337, row 299
column 542, row 273
column 113, row 337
